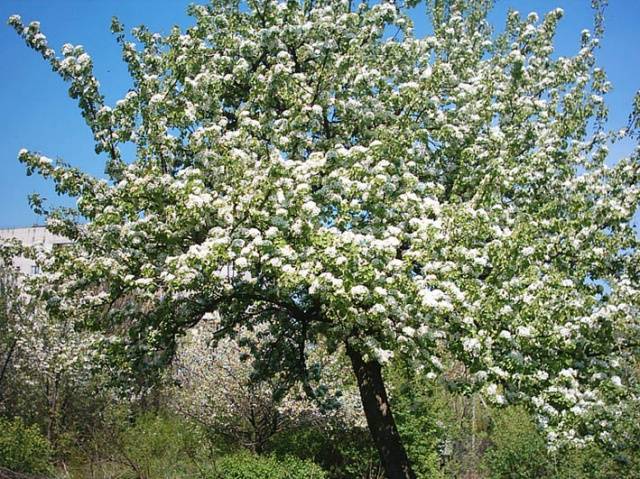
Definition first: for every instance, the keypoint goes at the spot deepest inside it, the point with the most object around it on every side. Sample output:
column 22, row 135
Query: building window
column 35, row 269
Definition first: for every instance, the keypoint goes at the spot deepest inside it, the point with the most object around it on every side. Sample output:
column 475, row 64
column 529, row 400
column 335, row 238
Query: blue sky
column 37, row 114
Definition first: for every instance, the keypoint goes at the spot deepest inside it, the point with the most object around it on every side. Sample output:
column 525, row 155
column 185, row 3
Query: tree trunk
column 5, row 366
column 379, row 417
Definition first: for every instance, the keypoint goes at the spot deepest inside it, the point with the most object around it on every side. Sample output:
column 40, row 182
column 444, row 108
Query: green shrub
column 584, row 463
column 23, row 448
column 245, row 465
column 164, row 446
column 343, row 453
column 153, row 446
column 415, row 413
column 518, row 450
column 618, row 459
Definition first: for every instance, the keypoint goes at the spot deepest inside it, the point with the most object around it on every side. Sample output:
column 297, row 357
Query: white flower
column 378, row 309
column 311, row 208
column 198, row 201
column 524, row 331
column 578, row 410
column 431, row 297
column 395, row 264
column 380, row 291
column 383, row 355
column 408, row 331
column 340, row 260
column 528, row 298
column 506, row 310
column 288, row 269
column 567, row 373
column 528, row 251
column 83, row 59
column 542, row 375
column 275, row 262
column 359, row 290
column 471, row 345
column 564, row 332
column 504, row 334
column 316, row 109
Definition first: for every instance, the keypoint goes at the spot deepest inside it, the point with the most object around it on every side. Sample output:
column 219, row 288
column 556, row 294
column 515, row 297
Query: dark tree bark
column 379, row 417
column 5, row 365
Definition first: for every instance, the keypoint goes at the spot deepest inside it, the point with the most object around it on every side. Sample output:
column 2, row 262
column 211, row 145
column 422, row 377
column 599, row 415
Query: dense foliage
column 23, row 448
column 245, row 466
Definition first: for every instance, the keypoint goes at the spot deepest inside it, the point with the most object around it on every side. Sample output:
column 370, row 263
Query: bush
column 618, row 459
column 249, row 466
column 343, row 453
column 158, row 444
column 23, row 448
column 154, row 446
column 518, row 450
column 415, row 411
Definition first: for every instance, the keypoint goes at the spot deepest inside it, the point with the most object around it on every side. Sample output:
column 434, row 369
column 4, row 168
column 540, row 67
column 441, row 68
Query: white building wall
column 31, row 236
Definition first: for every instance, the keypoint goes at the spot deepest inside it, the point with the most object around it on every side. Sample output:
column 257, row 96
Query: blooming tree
column 11, row 308
column 314, row 171
column 215, row 386
column 44, row 362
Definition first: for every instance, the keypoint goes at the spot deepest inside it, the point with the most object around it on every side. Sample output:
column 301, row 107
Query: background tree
column 213, row 383
column 10, row 310
column 47, row 380
column 314, row 172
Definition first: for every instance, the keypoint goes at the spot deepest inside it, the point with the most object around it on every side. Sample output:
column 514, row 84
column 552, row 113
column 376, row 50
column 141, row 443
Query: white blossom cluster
column 47, row 356
column 214, row 385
